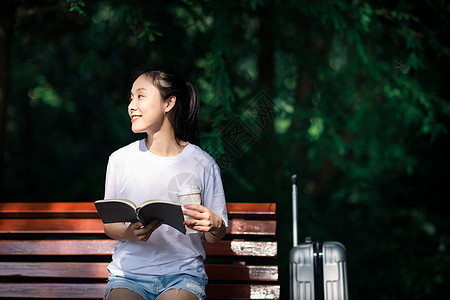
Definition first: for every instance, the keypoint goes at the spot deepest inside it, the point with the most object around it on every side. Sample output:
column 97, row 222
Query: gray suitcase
column 317, row 270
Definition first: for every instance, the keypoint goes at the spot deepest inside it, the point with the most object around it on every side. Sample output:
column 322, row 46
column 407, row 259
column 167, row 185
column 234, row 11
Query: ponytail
column 184, row 115
column 192, row 135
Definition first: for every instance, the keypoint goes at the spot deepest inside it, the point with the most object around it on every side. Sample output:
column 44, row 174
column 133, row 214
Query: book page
column 126, row 201
column 146, row 202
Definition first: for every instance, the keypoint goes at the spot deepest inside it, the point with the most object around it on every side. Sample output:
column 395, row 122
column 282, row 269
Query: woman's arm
column 206, row 221
column 132, row 232
column 215, row 234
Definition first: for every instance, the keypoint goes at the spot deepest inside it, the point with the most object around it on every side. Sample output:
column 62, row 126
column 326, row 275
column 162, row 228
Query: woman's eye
column 140, row 96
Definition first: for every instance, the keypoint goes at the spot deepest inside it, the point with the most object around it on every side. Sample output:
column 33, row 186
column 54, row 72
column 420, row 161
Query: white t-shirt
column 136, row 174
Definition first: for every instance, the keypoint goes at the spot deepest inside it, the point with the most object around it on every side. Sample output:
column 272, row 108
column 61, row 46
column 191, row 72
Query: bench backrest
column 59, row 250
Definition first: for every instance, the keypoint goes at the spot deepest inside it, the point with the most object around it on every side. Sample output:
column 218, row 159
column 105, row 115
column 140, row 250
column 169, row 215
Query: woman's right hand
column 137, row 232
column 133, row 232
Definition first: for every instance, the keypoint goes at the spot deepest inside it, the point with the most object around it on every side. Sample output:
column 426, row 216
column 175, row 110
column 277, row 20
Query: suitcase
column 318, row 271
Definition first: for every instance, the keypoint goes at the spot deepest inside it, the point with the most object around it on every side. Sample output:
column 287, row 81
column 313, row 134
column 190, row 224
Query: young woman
column 157, row 261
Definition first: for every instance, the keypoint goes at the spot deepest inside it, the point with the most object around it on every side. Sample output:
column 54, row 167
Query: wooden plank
column 96, row 291
column 57, row 247
column 242, row 248
column 95, row 270
column 19, row 210
column 242, row 272
column 52, row 290
column 51, row 226
column 86, row 210
column 242, row 291
column 54, row 270
column 261, row 210
column 106, row 247
column 95, row 226
column 252, row 227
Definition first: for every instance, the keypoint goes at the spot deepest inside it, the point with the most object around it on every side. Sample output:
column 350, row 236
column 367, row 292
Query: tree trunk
column 7, row 16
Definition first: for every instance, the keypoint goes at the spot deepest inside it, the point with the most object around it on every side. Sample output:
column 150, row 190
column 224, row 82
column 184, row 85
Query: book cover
column 123, row 210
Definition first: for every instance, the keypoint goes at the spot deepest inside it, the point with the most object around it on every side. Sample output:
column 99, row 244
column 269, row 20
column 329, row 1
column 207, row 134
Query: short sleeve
column 213, row 194
column 111, row 188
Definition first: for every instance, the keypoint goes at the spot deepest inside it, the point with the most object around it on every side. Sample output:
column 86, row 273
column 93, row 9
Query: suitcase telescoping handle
column 294, row 209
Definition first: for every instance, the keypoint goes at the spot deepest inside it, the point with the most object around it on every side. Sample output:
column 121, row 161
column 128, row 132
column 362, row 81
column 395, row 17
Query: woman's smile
column 135, row 117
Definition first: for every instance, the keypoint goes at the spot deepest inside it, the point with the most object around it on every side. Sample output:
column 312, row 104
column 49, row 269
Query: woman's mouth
column 135, row 117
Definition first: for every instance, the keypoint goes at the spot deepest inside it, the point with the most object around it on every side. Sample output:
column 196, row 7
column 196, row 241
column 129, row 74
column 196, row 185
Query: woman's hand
column 138, row 232
column 133, row 232
column 206, row 221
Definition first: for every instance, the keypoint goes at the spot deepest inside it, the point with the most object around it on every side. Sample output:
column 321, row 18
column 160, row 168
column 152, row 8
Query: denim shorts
column 153, row 286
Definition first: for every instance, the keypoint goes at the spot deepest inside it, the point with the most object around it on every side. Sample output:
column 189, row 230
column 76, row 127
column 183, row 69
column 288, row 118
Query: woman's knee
column 123, row 293
column 178, row 294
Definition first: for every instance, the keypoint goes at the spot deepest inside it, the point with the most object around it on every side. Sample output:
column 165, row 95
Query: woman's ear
column 170, row 103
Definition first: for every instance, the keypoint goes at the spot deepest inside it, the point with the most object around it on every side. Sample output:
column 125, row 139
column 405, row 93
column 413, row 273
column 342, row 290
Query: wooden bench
column 59, row 250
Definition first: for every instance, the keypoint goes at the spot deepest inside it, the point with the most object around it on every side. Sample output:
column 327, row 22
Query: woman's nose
column 132, row 106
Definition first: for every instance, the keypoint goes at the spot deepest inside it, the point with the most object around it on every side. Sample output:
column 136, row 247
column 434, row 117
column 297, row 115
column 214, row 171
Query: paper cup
column 189, row 195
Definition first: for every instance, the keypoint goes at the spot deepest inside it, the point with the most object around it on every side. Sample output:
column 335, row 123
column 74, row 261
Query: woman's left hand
column 203, row 219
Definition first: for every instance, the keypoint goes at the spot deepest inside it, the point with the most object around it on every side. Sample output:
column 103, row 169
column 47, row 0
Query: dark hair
column 184, row 115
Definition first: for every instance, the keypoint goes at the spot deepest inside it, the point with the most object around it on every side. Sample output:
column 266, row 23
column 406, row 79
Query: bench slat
column 86, row 210
column 92, row 270
column 51, row 226
column 242, row 291
column 261, row 210
column 106, row 247
column 96, row 291
column 242, row 248
column 54, row 270
column 48, row 210
column 242, row 272
column 95, row 226
column 52, row 290
column 57, row 247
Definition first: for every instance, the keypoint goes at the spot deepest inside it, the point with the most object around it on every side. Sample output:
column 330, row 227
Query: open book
column 123, row 210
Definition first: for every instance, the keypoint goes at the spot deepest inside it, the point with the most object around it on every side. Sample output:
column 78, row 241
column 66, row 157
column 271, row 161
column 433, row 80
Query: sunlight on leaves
column 316, row 129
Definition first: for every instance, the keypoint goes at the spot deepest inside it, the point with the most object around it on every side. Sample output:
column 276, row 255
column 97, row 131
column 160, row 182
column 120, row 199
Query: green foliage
column 360, row 109
column 77, row 6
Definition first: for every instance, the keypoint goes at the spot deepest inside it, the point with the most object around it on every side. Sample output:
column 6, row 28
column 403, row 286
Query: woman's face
column 146, row 108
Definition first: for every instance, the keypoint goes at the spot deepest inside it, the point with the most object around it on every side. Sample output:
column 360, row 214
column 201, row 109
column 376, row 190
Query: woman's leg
column 123, row 293
column 178, row 294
